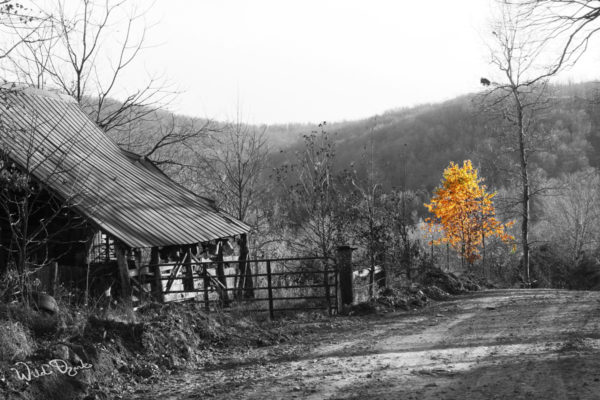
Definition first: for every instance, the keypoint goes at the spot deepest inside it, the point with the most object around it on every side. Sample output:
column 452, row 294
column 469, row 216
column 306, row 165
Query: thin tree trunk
column 483, row 257
column 431, row 251
column 525, row 188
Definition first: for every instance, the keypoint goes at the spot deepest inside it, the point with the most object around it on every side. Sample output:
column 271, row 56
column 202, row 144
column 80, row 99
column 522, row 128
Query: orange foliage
column 465, row 212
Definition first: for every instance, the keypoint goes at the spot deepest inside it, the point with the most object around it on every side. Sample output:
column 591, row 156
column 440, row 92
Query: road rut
column 497, row 344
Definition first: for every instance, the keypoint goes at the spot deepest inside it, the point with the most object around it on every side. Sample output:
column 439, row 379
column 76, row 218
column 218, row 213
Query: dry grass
column 37, row 322
column 15, row 341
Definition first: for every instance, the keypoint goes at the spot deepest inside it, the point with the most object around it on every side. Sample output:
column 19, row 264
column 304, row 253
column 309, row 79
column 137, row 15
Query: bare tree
column 368, row 213
column 310, row 194
column 83, row 49
column 15, row 16
column 572, row 214
column 70, row 53
column 564, row 27
column 170, row 141
column 518, row 98
column 232, row 166
column 370, row 227
column 400, row 208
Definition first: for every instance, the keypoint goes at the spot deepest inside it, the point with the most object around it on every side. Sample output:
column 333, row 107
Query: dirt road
column 501, row 344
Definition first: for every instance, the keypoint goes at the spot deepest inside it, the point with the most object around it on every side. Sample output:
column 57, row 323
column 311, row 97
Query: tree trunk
column 483, row 255
column 525, row 187
column 407, row 265
column 406, row 261
column 432, row 259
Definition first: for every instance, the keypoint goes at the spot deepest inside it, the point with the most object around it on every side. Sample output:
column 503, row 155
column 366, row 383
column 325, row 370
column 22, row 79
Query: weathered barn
column 127, row 212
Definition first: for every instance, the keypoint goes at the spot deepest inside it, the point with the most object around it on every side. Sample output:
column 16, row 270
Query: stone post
column 344, row 262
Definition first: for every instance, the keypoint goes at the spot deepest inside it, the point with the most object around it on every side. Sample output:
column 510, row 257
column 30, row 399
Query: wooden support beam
column 245, row 284
column 188, row 281
column 221, row 277
column 121, row 251
column 154, row 261
column 107, row 249
column 141, row 278
column 172, row 276
column 141, row 287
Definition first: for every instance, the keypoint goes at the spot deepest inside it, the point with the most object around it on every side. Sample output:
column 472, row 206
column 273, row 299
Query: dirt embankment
column 102, row 355
column 499, row 344
column 112, row 351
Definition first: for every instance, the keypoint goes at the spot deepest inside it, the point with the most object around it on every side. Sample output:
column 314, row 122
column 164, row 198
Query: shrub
column 37, row 322
column 548, row 267
column 586, row 274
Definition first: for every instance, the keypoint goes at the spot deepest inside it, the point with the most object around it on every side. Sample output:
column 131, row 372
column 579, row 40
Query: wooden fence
column 273, row 285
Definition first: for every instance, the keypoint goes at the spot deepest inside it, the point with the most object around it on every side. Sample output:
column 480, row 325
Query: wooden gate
column 273, row 285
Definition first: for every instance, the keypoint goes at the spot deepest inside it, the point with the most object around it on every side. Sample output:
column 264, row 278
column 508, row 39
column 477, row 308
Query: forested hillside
column 418, row 141
column 428, row 137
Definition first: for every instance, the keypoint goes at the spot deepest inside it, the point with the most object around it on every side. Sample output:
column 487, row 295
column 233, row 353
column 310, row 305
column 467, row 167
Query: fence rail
column 284, row 284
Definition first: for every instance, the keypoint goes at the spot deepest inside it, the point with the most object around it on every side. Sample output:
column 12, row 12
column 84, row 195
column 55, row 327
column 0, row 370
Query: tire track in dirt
column 504, row 344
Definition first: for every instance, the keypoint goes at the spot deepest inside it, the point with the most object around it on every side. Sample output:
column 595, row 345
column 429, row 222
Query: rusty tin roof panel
column 64, row 149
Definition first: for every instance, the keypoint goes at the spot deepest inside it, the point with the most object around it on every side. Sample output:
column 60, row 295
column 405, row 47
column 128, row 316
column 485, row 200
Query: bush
column 37, row 322
column 15, row 341
column 9, row 285
column 586, row 274
column 445, row 281
column 435, row 293
column 548, row 267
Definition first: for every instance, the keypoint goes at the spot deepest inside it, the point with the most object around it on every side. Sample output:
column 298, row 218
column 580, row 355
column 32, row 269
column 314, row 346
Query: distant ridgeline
column 456, row 130
column 424, row 139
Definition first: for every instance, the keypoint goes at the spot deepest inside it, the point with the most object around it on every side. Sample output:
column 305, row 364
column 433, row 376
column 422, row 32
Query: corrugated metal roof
column 75, row 158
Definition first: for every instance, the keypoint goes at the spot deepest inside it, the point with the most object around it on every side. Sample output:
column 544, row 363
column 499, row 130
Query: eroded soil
column 500, row 344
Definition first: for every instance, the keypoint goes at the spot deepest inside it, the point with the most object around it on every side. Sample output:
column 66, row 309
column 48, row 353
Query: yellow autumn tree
column 464, row 212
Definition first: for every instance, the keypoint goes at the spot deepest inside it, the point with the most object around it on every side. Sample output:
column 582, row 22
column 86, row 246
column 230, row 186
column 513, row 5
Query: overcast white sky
column 315, row 60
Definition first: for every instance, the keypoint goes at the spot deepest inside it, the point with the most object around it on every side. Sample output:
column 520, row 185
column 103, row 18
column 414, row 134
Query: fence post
column 245, row 284
column 223, row 293
column 270, row 289
column 344, row 262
